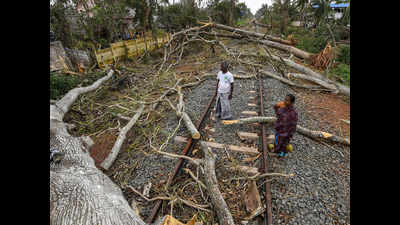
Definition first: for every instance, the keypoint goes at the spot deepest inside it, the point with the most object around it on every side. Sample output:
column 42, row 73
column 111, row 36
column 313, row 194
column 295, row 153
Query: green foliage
column 179, row 16
column 307, row 40
column 343, row 71
column 344, row 55
column 61, row 84
column 220, row 11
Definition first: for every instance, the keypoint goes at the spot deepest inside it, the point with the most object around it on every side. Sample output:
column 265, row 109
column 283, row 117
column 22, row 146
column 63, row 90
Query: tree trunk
column 286, row 81
column 106, row 164
column 313, row 79
column 300, row 129
column 295, row 51
column 262, row 25
column 79, row 192
column 220, row 206
column 340, row 87
column 231, row 13
column 253, row 34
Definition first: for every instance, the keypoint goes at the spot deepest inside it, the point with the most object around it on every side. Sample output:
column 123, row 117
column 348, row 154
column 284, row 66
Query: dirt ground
column 329, row 110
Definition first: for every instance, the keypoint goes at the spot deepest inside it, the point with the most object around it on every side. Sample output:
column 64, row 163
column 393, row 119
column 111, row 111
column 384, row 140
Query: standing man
column 285, row 125
column 224, row 93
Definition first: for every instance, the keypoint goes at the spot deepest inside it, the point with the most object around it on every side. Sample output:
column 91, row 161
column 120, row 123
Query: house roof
column 333, row 5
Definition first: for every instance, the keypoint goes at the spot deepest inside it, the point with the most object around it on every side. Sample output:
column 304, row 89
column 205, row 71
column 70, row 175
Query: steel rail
column 268, row 211
column 187, row 151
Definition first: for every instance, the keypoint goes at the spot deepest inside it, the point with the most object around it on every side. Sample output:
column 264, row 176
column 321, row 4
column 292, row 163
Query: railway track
column 255, row 100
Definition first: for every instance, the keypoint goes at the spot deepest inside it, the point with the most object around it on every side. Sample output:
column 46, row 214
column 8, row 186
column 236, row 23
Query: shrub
column 61, row 84
column 344, row 55
column 343, row 71
column 310, row 43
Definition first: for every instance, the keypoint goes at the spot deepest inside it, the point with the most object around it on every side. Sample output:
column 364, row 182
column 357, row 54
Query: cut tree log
column 235, row 148
column 109, row 160
column 76, row 185
column 252, row 197
column 220, row 206
column 300, row 129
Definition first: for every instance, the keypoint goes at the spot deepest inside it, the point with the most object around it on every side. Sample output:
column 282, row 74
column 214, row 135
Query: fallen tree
column 249, row 33
column 179, row 109
column 271, row 41
column 300, row 129
column 313, row 76
column 109, row 160
column 79, row 192
column 207, row 164
column 220, row 206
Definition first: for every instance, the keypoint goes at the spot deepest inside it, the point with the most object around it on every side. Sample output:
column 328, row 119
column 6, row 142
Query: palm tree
column 322, row 10
column 283, row 8
column 302, row 4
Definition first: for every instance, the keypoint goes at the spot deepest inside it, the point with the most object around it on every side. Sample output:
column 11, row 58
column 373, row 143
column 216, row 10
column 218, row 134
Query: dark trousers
column 280, row 143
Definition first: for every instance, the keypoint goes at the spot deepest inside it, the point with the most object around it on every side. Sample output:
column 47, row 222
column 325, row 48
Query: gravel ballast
column 319, row 191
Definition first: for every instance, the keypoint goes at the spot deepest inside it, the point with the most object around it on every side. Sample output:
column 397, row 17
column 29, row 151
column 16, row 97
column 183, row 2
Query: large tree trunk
column 340, row 87
column 249, row 33
column 295, row 51
column 79, row 192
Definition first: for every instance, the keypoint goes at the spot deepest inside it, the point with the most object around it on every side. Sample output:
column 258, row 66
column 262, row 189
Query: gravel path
column 319, row 191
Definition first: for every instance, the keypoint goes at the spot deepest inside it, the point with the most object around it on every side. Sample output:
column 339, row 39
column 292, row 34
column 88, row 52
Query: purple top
column 286, row 122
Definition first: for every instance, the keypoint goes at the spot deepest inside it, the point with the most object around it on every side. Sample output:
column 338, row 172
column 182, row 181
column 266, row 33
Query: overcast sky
column 255, row 5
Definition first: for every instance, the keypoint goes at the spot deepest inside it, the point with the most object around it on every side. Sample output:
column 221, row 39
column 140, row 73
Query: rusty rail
column 268, row 211
column 187, row 151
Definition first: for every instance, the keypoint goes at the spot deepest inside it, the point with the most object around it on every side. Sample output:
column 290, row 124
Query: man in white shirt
column 224, row 93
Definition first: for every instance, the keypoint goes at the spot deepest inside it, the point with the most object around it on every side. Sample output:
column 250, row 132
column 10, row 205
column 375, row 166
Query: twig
column 192, row 160
column 259, row 176
column 195, row 178
column 145, row 198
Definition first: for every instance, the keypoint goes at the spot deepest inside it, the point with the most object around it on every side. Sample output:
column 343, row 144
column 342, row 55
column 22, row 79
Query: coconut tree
column 321, row 10
column 302, row 5
column 283, row 9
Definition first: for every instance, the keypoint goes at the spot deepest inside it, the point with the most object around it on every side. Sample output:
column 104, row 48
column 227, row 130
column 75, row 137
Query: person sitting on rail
column 285, row 125
column 224, row 93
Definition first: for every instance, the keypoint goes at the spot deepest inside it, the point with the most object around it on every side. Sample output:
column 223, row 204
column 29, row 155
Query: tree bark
column 295, row 51
column 106, row 164
column 79, row 192
column 261, row 25
column 340, row 87
column 286, row 81
column 313, row 79
column 180, row 113
column 300, row 129
column 252, row 34
column 220, row 206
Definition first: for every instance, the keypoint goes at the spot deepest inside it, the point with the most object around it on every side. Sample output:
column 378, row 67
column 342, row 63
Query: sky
column 255, row 5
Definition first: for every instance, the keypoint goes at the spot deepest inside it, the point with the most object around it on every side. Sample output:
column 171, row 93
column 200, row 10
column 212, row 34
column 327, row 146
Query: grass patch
column 344, row 55
column 60, row 84
column 343, row 71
